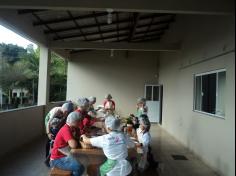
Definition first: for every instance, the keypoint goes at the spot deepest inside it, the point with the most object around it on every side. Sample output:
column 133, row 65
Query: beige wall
column 19, row 127
column 208, row 44
column 124, row 76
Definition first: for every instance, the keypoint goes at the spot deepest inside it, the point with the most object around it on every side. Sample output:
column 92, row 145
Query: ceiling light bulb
column 109, row 16
column 109, row 10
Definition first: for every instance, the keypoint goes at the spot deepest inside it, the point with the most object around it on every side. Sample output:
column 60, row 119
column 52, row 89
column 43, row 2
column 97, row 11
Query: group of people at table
column 70, row 125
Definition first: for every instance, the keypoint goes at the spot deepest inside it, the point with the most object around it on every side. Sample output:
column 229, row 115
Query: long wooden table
column 92, row 152
column 93, row 158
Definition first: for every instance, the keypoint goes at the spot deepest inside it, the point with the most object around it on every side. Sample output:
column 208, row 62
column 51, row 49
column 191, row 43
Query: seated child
column 144, row 139
column 114, row 145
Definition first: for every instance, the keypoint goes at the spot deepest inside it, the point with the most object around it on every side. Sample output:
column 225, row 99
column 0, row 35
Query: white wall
column 19, row 127
column 95, row 73
column 208, row 44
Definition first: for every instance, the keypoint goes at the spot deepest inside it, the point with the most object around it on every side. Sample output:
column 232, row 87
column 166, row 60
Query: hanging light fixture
column 109, row 16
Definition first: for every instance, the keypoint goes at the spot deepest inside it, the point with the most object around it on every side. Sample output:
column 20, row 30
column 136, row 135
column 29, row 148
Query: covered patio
column 30, row 162
column 119, row 48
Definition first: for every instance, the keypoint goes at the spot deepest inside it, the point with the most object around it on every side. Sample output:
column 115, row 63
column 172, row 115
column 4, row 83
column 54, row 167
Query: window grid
column 217, row 88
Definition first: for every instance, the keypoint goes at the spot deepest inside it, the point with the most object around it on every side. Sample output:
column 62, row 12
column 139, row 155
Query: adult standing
column 109, row 104
column 141, row 107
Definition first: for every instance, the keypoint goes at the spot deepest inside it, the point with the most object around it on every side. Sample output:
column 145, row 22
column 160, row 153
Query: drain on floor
column 179, row 157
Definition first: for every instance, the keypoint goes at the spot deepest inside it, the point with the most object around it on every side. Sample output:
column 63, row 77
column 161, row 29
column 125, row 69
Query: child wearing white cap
column 114, row 145
column 144, row 139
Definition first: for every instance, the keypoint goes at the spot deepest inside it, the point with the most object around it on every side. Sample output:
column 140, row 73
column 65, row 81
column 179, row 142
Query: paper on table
column 65, row 150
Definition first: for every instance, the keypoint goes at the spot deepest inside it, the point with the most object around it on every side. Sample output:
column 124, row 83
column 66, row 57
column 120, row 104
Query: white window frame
column 158, row 85
column 194, row 91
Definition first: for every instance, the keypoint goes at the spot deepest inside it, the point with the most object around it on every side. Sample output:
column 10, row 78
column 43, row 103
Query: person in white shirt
column 144, row 139
column 115, row 147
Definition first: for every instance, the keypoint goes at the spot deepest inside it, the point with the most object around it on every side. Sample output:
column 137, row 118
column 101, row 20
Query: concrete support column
column 44, row 76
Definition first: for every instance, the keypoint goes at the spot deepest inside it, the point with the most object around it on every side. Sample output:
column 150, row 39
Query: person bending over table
column 66, row 138
column 92, row 101
column 54, row 120
column 89, row 118
column 114, row 145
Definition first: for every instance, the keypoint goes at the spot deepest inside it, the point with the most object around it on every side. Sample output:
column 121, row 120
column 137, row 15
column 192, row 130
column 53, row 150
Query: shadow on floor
column 27, row 161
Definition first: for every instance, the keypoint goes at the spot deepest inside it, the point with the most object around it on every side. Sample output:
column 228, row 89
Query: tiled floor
column 28, row 161
column 164, row 146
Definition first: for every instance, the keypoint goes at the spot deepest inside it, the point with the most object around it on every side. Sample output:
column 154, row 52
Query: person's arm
column 139, row 144
column 104, row 103
column 96, row 141
column 85, row 139
column 73, row 143
column 68, row 137
column 50, row 135
column 113, row 105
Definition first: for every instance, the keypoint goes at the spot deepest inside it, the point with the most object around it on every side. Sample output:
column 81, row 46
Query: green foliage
column 129, row 120
column 11, row 53
column 57, row 78
column 19, row 68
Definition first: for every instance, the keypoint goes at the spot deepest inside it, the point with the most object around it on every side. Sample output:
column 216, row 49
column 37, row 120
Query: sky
column 10, row 37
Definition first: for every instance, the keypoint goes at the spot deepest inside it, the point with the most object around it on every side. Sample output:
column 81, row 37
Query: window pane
column 209, row 93
column 148, row 93
column 198, row 93
column 220, row 109
column 18, row 76
column 155, row 93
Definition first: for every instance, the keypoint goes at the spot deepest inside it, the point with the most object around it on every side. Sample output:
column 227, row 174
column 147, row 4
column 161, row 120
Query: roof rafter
column 99, row 28
column 66, row 19
column 142, row 46
column 161, row 29
column 127, row 20
column 77, row 25
column 39, row 19
column 135, row 23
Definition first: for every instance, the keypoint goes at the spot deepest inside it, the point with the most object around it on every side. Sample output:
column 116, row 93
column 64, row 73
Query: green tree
column 11, row 53
column 12, row 76
column 31, row 62
column 20, row 68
